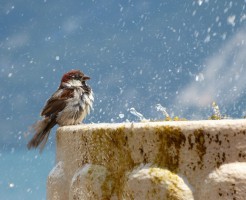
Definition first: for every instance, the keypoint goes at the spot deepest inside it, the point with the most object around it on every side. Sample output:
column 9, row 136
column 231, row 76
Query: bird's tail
column 42, row 130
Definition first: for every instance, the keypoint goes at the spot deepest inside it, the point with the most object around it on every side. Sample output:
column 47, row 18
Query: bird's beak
column 86, row 78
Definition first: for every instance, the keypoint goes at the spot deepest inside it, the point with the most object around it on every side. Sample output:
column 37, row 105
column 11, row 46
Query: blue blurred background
column 181, row 54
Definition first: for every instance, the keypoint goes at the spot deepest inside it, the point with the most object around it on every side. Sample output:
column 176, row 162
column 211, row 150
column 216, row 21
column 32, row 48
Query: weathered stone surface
column 91, row 182
column 150, row 182
column 56, row 187
column 193, row 149
column 227, row 182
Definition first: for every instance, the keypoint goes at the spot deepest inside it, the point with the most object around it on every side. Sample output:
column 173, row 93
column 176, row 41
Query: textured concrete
column 151, row 160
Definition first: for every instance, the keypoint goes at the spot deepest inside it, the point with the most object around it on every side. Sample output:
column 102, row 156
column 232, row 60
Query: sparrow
column 69, row 105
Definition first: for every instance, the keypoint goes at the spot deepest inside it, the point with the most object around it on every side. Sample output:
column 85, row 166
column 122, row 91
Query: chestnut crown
column 74, row 75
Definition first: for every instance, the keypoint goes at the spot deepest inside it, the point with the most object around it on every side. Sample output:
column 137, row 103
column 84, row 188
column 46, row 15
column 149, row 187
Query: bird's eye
column 75, row 76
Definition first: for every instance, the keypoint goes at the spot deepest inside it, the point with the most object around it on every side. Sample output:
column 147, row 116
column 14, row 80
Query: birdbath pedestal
column 150, row 160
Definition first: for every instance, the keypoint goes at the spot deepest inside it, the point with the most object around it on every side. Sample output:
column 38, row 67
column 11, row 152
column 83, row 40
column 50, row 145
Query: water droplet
column 200, row 2
column 29, row 190
column 199, row 77
column 121, row 115
column 231, row 20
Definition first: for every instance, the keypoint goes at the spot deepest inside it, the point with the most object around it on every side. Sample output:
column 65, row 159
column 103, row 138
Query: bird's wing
column 57, row 102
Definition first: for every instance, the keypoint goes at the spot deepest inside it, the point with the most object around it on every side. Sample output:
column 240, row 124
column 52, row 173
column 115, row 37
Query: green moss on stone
column 171, row 140
column 214, row 117
column 162, row 176
column 109, row 148
column 201, row 148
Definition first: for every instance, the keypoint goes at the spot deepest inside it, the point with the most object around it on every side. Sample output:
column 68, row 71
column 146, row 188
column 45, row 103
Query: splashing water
column 137, row 114
column 159, row 107
column 121, row 115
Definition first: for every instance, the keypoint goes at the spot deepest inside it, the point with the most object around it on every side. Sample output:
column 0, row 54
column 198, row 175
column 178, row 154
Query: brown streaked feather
column 57, row 103
column 42, row 130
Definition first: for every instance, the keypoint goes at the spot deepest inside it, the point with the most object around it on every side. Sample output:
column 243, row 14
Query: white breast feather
column 67, row 116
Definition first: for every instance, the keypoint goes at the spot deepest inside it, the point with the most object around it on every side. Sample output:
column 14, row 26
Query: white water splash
column 162, row 109
column 137, row 114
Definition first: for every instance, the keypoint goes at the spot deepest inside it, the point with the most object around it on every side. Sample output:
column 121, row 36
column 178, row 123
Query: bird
column 68, row 105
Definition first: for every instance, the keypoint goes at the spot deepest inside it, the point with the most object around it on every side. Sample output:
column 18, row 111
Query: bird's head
column 74, row 78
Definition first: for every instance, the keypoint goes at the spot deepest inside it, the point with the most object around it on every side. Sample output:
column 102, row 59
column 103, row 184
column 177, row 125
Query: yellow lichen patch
column 214, row 117
column 171, row 140
column 109, row 147
column 108, row 186
column 176, row 118
column 168, row 119
column 169, row 180
column 158, row 176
